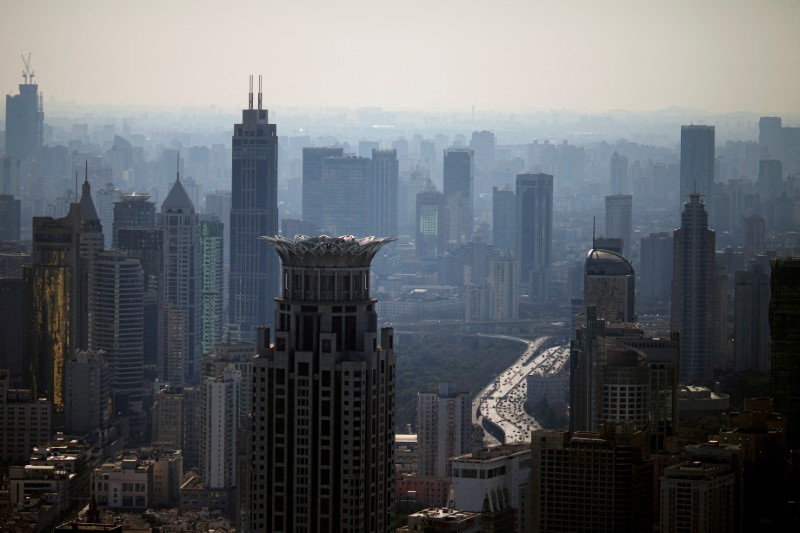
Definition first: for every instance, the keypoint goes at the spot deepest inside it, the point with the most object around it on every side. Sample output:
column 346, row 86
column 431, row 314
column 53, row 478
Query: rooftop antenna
column 178, row 167
column 259, row 92
column 251, row 92
column 27, row 74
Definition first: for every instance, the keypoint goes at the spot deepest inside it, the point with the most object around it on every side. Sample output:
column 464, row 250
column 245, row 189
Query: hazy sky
column 589, row 55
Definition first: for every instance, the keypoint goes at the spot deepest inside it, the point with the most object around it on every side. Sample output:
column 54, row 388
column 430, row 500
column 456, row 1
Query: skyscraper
column 133, row 211
column 697, row 162
column 212, row 298
column 504, row 220
column 505, row 287
column 784, row 316
column 323, row 410
column 219, row 203
column 9, row 218
column 535, row 232
column 219, row 413
column 431, row 225
column 313, row 199
column 694, row 292
column 385, row 176
column 24, row 120
column 182, row 281
column 459, row 192
column 619, row 214
column 619, row 174
column 116, row 325
column 348, row 195
column 751, row 318
column 254, row 212
column 483, row 145
column 609, row 285
column 655, row 269
column 444, row 430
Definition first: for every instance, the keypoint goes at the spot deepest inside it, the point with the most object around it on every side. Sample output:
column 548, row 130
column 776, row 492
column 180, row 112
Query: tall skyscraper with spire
column 697, row 162
column 693, row 292
column 57, row 287
column 253, row 281
column 181, row 288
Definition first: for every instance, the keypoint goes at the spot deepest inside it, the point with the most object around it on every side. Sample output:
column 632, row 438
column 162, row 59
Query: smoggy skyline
column 718, row 56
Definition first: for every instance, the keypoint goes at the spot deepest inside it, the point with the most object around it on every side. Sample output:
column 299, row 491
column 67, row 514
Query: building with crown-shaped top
column 181, row 288
column 323, row 405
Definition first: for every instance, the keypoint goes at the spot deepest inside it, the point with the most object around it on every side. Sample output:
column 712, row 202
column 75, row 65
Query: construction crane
column 27, row 74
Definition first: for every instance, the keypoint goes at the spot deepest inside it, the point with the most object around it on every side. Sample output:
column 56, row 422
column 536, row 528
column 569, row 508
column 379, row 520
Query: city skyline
column 701, row 45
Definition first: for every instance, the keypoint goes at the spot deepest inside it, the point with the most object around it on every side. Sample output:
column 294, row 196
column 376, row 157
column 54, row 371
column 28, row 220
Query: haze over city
column 518, row 55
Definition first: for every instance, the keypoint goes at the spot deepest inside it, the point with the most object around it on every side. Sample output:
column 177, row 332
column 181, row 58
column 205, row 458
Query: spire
column 259, row 92
column 250, row 106
column 88, row 212
column 177, row 199
column 178, row 167
column 86, row 186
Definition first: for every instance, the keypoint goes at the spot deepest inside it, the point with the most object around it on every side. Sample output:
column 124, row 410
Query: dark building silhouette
column 751, row 318
column 24, row 121
column 697, row 162
column 323, row 408
column 535, row 232
column 459, row 192
column 694, row 292
column 133, row 211
column 504, row 220
column 784, row 317
column 10, row 208
column 313, row 199
column 12, row 302
column 655, row 269
column 254, row 212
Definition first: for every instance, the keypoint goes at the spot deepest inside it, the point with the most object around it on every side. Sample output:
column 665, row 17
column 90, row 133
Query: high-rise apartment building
column 24, row 121
column 220, row 412
column 784, row 317
column 313, row 199
column 116, row 325
column 619, row 174
column 504, row 220
column 697, row 162
column 212, row 323
column 444, row 430
column 619, row 213
column 431, row 225
column 609, row 285
column 25, row 422
column 133, row 211
column 385, row 183
column 254, row 212
column 87, row 391
column 655, row 269
column 323, row 413
column 535, row 232
column 694, row 292
column 459, row 192
column 594, row 481
column 505, row 287
column 181, row 288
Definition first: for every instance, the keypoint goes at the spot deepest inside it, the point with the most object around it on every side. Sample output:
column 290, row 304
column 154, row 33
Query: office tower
column 784, row 317
column 751, row 318
column 477, row 302
column 116, row 325
column 219, row 203
column 697, row 162
column 220, row 414
column 594, row 481
column 239, row 356
column 459, row 192
column 656, row 268
column 444, row 430
column 167, row 415
column 146, row 246
column 504, row 220
column 505, row 288
column 703, row 494
column 9, row 218
column 496, row 483
column 609, row 285
column 25, row 422
column 9, row 176
column 313, row 199
column 753, row 237
column 323, row 413
column 347, row 191
column 535, row 232
column 133, row 211
column 619, row 213
column 770, row 178
column 619, row 175
column 212, row 297
column 431, row 225
column 482, row 145
column 24, row 119
column 254, row 212
column 385, row 170
column 57, row 294
column 694, row 292
column 770, row 136
column 182, row 281
column 87, row 391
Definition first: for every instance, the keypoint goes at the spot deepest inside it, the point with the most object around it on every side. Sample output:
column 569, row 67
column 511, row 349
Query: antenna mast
column 27, row 74
column 251, row 92
column 259, row 92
